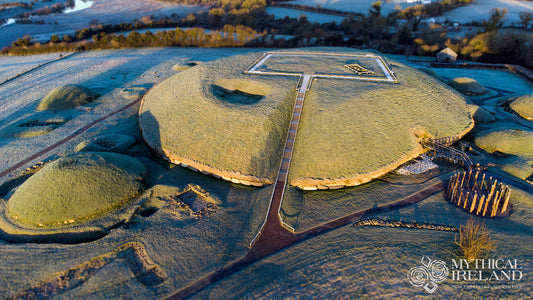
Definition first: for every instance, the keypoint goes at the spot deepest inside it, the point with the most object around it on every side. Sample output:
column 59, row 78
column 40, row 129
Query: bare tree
column 525, row 18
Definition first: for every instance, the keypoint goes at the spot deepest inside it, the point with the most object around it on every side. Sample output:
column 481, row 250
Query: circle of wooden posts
column 482, row 196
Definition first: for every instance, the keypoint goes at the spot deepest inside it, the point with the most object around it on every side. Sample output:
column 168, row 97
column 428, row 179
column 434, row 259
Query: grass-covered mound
column 67, row 97
column 509, row 141
column 76, row 189
column 518, row 167
column 218, row 120
column 523, row 106
column 467, row 86
column 350, row 131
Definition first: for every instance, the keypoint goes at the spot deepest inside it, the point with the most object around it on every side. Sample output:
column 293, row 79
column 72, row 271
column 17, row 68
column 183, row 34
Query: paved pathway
column 273, row 222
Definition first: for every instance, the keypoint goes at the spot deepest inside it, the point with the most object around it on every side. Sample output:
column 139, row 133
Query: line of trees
column 246, row 23
column 229, row 36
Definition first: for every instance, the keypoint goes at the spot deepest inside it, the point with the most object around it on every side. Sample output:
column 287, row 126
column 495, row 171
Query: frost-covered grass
column 504, row 80
column 76, row 189
column 281, row 12
column 467, row 86
column 320, row 64
column 480, row 10
column 67, row 97
column 15, row 65
column 510, row 141
column 360, row 6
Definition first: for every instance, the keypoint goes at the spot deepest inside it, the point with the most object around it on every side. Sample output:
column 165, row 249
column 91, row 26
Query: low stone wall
column 384, row 223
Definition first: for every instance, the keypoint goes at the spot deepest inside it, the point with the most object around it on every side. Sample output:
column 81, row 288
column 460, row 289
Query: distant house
column 446, row 55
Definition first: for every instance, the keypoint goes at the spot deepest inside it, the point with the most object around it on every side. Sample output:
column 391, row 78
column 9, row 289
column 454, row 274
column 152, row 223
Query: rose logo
column 429, row 274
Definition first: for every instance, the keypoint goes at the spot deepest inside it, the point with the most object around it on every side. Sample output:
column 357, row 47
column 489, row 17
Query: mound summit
column 219, row 120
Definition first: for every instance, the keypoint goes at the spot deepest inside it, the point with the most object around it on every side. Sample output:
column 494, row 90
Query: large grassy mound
column 467, row 86
column 352, row 132
column 218, row 120
column 76, row 189
column 523, row 106
column 67, row 97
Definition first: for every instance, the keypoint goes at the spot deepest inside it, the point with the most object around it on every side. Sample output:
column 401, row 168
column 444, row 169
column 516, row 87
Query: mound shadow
column 235, row 96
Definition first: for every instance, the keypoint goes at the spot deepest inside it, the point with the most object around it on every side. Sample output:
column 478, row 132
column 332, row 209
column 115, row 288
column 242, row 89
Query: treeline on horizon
column 237, row 23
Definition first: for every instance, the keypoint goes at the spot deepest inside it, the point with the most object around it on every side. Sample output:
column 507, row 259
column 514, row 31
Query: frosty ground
column 353, row 261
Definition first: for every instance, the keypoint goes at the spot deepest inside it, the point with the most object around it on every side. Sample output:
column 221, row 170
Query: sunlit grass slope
column 216, row 119
column 76, row 189
column 354, row 131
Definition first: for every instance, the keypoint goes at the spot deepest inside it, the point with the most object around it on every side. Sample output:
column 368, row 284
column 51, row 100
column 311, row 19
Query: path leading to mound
column 276, row 224
column 274, row 234
column 275, row 237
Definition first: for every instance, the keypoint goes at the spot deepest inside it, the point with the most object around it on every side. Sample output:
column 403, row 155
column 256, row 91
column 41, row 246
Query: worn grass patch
column 76, row 189
column 67, row 97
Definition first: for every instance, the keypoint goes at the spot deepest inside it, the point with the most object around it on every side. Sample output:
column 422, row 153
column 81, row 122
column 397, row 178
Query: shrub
column 474, row 239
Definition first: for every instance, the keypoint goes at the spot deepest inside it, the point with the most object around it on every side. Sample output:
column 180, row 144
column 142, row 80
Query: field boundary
column 61, row 57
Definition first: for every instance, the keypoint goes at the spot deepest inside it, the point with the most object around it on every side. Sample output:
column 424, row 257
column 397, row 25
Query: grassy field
column 352, row 129
column 214, row 129
column 305, row 209
column 373, row 262
column 186, row 248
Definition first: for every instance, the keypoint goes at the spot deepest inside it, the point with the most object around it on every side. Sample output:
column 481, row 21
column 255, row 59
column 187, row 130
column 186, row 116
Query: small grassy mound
column 107, row 142
column 67, row 97
column 510, row 141
column 467, row 86
column 517, row 167
column 75, row 189
column 523, row 106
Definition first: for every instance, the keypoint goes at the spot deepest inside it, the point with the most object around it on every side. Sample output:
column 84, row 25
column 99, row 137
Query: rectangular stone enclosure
column 327, row 65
